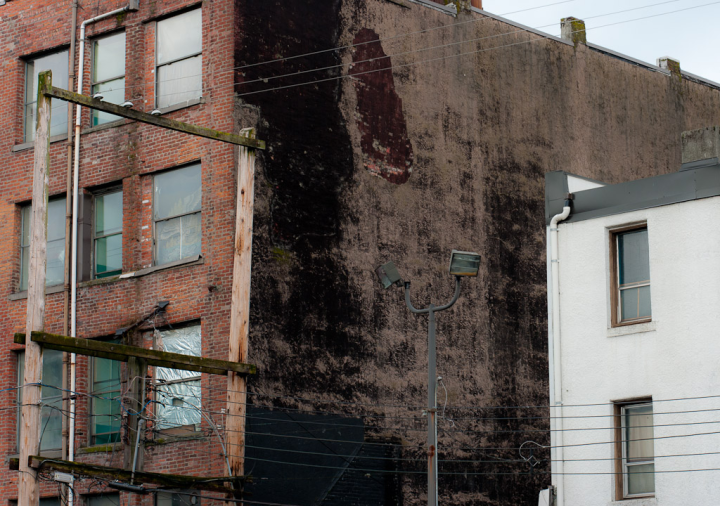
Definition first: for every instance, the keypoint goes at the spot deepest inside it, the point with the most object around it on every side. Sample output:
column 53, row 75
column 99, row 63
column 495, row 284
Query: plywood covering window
column 630, row 276
column 634, row 450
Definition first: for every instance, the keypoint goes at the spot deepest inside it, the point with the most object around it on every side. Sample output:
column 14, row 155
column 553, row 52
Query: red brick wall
column 128, row 154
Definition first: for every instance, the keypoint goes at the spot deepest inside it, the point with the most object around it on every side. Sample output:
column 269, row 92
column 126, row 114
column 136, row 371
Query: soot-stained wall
column 370, row 164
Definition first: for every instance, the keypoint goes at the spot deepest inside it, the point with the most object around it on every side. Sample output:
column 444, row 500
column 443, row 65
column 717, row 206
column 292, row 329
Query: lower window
column 50, row 400
column 635, row 450
column 106, row 415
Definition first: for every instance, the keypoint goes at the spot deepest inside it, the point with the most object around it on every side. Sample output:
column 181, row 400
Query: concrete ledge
column 31, row 145
column 193, row 260
column 628, row 330
column 48, row 291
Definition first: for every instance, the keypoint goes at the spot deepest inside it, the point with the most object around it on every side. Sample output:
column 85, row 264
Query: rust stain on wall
column 386, row 148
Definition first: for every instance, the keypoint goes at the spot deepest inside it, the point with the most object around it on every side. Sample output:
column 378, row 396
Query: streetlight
column 462, row 263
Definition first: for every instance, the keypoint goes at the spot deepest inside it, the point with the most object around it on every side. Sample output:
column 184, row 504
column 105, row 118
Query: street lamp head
column 388, row 275
column 464, row 263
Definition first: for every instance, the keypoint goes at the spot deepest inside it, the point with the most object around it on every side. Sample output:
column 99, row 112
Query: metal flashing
column 683, row 186
column 522, row 27
column 700, row 80
column 445, row 9
column 628, row 59
column 699, row 163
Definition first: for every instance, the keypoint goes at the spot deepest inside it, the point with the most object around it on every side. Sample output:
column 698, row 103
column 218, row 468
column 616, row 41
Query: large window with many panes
column 51, row 399
column 177, row 196
column 108, row 233
column 55, row 268
column 179, row 59
column 108, row 74
column 58, row 64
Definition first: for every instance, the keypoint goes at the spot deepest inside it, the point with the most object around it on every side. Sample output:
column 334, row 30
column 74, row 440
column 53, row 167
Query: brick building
column 441, row 152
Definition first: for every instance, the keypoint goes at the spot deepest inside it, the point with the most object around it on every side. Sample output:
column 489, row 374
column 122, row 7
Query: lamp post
column 462, row 263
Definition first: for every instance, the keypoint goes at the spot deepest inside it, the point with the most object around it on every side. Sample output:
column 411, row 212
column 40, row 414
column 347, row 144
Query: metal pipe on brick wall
column 74, row 266
column 68, row 218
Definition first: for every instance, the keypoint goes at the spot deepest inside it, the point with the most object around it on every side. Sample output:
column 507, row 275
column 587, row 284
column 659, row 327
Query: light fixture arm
column 432, row 307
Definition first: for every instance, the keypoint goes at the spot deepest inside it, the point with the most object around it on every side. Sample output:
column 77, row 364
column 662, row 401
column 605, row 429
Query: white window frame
column 624, row 458
column 185, row 57
column 94, row 83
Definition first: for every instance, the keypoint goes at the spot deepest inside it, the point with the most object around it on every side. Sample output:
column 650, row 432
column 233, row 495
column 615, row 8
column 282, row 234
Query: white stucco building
column 634, row 334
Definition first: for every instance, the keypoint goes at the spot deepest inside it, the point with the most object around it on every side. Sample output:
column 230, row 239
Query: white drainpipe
column 556, row 411
column 73, row 275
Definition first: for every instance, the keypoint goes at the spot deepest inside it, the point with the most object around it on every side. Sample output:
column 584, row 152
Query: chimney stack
column 671, row 64
column 573, row 29
column 703, row 144
column 476, row 3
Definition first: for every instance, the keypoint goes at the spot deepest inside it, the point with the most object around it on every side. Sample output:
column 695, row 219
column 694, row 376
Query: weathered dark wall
column 407, row 165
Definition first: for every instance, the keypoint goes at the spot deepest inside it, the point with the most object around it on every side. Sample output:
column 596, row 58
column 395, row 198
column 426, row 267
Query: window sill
column 635, row 501
column 636, row 328
column 48, row 291
column 193, row 260
column 111, row 447
column 182, row 105
column 105, row 126
column 31, row 144
column 178, row 435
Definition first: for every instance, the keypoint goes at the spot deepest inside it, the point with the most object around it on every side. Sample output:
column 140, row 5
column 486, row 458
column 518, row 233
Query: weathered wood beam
column 144, row 117
column 215, row 484
column 122, row 353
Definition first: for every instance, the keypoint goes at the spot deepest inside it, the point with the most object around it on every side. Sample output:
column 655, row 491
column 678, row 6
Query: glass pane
column 51, row 424
column 179, row 82
column 108, row 213
column 55, row 270
column 639, row 433
column 103, row 500
column 52, row 373
column 179, row 36
column 644, row 301
column 629, row 303
column 24, row 266
column 109, row 58
column 191, row 235
column 106, row 374
column 168, row 241
column 56, row 220
column 58, row 63
column 640, row 479
column 114, row 93
column 26, row 217
column 633, row 256
column 178, row 192
column 108, row 256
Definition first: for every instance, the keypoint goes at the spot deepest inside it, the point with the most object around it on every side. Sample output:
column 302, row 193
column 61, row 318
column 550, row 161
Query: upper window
column 636, row 450
column 106, row 415
column 178, row 392
column 631, row 277
column 107, row 236
column 179, row 58
column 58, row 63
column 51, row 399
column 108, row 74
column 176, row 214
column 55, row 268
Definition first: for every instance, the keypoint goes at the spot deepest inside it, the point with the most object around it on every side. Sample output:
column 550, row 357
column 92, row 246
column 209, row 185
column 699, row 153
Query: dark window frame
column 615, row 299
column 93, row 393
column 115, row 188
column 620, row 448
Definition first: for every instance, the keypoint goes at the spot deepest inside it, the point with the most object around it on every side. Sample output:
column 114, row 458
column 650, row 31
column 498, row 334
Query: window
column 108, row 74
column 102, row 500
column 631, row 276
column 55, row 268
column 179, row 58
column 51, row 399
column 176, row 499
column 178, row 391
column 176, row 214
column 106, row 416
column 58, row 63
column 634, row 450
column 107, row 234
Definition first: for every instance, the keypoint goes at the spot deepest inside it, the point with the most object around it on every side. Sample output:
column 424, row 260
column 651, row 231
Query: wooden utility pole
column 28, row 485
column 240, row 309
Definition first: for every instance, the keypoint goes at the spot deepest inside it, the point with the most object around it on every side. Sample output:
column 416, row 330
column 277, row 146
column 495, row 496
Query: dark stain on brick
column 386, row 149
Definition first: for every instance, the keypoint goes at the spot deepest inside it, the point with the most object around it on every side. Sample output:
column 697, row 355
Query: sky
column 690, row 36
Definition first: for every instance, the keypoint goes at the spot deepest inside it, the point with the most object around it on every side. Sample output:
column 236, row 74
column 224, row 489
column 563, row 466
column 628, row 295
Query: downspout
column 73, row 275
column 68, row 219
column 554, row 350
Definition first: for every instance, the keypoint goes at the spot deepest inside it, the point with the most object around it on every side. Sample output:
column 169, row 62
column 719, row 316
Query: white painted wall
column 677, row 355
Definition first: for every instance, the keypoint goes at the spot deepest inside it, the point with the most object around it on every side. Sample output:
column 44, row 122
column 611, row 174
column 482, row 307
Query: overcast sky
column 690, row 36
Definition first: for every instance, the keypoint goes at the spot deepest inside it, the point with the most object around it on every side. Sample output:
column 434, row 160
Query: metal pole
column 432, row 387
column 432, row 410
